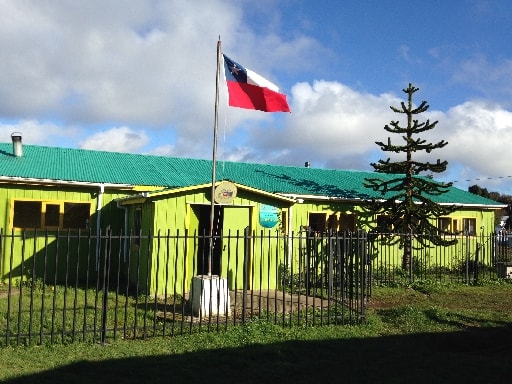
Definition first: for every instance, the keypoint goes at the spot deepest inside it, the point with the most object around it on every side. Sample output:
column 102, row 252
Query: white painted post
column 210, row 296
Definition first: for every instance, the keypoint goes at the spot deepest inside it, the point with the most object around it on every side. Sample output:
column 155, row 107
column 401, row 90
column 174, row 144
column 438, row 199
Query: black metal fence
column 61, row 287
column 67, row 286
column 470, row 260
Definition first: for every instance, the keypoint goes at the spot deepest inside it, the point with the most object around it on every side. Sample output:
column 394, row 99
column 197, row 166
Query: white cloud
column 149, row 63
column 120, row 139
column 37, row 133
column 492, row 79
column 85, row 73
column 480, row 135
column 330, row 125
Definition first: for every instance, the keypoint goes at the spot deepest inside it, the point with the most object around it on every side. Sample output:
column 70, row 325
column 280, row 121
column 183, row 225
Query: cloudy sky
column 139, row 76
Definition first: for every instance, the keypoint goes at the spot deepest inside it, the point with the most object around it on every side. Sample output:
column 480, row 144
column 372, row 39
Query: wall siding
column 174, row 213
column 15, row 258
column 164, row 260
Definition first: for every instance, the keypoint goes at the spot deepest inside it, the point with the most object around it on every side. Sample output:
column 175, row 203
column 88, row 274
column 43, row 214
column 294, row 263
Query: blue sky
column 139, row 76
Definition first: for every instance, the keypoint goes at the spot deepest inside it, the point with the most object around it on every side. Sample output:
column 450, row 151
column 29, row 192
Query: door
column 227, row 254
column 235, row 221
column 206, row 262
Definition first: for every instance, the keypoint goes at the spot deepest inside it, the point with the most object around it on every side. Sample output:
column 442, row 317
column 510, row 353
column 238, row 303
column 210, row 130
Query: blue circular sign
column 269, row 216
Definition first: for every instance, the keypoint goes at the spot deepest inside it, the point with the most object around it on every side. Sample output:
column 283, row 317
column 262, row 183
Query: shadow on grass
column 474, row 355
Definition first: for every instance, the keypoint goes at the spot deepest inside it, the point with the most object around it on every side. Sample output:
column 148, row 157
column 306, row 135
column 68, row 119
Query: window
column 335, row 222
column 466, row 226
column 469, row 226
column 384, row 223
column 137, row 219
column 52, row 215
column 347, row 222
column 444, row 224
column 27, row 214
column 137, row 223
column 332, row 223
column 317, row 222
column 43, row 214
column 76, row 215
column 284, row 222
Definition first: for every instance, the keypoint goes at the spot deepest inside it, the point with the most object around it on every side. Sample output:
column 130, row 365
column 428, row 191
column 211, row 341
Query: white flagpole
column 214, row 158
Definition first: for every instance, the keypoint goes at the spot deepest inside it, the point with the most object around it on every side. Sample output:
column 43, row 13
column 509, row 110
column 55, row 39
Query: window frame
column 446, row 225
column 347, row 221
column 332, row 221
column 48, row 213
column 383, row 223
column 457, row 225
column 316, row 223
column 469, row 226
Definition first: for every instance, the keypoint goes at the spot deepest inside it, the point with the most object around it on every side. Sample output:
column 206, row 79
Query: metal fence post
column 475, row 267
column 246, row 273
column 106, row 271
column 467, row 257
column 411, row 261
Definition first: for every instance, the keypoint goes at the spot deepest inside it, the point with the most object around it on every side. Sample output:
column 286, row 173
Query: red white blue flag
column 247, row 89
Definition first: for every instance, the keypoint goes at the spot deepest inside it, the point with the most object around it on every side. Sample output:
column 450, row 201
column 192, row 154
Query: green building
column 49, row 189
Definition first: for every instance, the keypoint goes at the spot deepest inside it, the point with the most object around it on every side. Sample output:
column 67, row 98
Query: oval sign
column 269, row 216
column 225, row 192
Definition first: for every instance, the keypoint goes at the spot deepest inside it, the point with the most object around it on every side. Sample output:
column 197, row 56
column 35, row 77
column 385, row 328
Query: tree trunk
column 407, row 255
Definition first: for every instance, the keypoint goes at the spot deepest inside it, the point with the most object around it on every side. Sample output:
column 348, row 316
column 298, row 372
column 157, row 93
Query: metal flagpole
column 214, row 158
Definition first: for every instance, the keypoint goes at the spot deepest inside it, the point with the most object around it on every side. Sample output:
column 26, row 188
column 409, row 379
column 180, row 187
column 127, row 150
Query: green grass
column 426, row 332
column 35, row 313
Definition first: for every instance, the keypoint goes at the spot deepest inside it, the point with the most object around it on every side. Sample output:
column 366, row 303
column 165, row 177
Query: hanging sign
column 225, row 192
column 269, row 216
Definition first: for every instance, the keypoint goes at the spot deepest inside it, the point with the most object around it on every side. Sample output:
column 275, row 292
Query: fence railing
column 66, row 286
column 469, row 260
column 83, row 286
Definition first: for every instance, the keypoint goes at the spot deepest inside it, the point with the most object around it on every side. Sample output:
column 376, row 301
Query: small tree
column 406, row 201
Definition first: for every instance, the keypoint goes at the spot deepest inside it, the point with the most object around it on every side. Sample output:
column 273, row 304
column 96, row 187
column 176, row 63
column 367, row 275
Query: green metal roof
column 87, row 166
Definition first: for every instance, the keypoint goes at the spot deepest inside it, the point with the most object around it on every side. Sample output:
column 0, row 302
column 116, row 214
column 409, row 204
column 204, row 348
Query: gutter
column 493, row 206
column 28, row 180
column 289, row 234
column 298, row 199
column 99, row 206
column 125, row 242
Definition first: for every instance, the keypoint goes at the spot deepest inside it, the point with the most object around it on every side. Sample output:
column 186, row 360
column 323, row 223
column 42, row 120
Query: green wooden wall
column 176, row 213
column 17, row 258
column 165, row 264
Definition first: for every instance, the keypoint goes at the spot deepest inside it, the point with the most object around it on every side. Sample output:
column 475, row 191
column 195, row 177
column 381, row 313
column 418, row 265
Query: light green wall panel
column 15, row 261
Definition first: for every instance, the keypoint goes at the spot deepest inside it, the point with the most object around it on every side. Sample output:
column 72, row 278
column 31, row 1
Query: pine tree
column 406, row 202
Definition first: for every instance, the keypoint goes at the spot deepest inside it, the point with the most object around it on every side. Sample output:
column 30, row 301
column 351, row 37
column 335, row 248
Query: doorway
column 203, row 245
column 228, row 240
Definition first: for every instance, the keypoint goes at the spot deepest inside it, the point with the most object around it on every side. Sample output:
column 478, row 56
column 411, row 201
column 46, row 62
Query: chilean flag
column 249, row 90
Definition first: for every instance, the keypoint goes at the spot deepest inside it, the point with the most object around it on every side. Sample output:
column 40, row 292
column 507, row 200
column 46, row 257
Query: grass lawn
column 425, row 333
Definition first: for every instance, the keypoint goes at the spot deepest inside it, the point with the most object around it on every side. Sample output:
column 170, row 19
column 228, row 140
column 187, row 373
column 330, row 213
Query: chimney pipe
column 16, row 144
column 306, row 164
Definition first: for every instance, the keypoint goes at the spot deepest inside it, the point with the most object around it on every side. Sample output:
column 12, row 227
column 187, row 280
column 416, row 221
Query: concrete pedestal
column 209, row 296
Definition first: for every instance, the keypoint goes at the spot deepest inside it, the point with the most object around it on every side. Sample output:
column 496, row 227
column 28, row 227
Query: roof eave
column 145, row 196
column 51, row 182
column 297, row 197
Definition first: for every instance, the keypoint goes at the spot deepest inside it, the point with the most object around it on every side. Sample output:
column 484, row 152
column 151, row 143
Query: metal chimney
column 306, row 164
column 17, row 147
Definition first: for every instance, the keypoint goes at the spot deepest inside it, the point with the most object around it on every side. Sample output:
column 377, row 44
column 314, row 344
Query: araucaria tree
column 406, row 204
